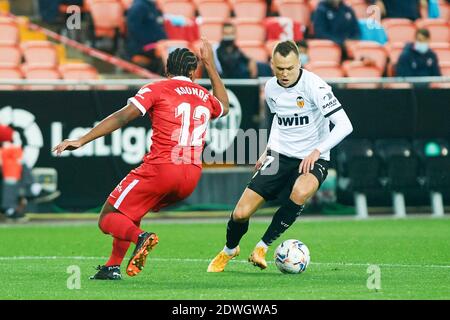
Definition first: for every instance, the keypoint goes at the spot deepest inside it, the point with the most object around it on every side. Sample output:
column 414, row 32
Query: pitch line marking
column 207, row 261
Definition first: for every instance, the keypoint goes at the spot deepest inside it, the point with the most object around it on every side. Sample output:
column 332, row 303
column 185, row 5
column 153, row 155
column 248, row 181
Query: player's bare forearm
column 218, row 87
column 111, row 123
column 108, row 125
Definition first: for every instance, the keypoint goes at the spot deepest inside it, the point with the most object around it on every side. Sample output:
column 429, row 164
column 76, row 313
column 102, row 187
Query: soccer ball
column 292, row 256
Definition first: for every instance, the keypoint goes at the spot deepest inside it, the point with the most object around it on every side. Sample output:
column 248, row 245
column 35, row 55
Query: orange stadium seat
column 10, row 56
column 359, row 7
column 40, row 53
column 249, row 29
column 270, row 45
column 299, row 11
column 399, row 30
column 126, row 4
column 373, row 51
column 108, row 16
column 445, row 68
column 254, row 50
column 439, row 29
column 181, row 7
column 324, row 50
column 10, row 74
column 211, row 28
column 357, row 69
column 40, row 73
column 78, row 71
column 444, row 10
column 249, row 9
column 442, row 50
column 214, row 9
column 394, row 50
column 325, row 69
column 9, row 32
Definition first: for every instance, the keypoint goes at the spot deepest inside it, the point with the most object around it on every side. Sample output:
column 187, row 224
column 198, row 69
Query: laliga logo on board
column 24, row 125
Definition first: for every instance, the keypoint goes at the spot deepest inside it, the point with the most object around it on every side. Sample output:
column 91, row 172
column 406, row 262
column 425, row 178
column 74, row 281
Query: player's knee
column 299, row 196
column 101, row 223
column 241, row 213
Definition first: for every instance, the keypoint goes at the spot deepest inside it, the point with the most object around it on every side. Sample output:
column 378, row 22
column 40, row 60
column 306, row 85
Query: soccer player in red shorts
column 179, row 111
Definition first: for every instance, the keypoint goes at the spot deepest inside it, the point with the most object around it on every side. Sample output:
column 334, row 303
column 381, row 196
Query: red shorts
column 151, row 187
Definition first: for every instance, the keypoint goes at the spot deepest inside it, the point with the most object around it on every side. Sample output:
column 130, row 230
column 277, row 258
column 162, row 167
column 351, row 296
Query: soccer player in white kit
column 297, row 154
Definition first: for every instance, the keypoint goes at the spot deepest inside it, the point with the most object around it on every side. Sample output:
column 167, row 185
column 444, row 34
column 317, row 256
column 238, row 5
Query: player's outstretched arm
column 219, row 91
column 111, row 123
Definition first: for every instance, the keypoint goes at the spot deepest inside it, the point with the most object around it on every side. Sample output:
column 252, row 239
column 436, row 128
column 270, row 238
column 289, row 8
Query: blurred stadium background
column 56, row 81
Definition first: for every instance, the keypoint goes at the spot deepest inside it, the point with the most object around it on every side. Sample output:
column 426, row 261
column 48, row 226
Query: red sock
column 120, row 227
column 119, row 250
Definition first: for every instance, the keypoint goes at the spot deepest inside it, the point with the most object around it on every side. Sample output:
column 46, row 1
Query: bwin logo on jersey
column 296, row 120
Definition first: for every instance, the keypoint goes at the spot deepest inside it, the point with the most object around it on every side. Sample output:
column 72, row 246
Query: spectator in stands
column 303, row 51
column 334, row 20
column 233, row 63
column 417, row 59
column 409, row 9
column 49, row 9
column 145, row 27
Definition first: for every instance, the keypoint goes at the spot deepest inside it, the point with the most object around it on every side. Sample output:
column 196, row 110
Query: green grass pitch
column 413, row 256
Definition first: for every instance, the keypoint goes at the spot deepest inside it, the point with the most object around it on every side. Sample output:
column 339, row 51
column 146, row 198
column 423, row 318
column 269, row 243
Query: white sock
column 262, row 244
column 229, row 251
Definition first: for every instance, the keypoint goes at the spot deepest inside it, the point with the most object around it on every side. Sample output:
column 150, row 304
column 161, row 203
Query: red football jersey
column 179, row 111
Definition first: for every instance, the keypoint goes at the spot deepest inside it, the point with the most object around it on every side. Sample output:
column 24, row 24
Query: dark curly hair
column 181, row 62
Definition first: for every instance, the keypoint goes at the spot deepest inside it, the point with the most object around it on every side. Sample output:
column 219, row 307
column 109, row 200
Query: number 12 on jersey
column 201, row 116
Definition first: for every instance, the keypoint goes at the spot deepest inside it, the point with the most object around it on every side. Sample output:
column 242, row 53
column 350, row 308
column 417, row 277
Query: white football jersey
column 301, row 116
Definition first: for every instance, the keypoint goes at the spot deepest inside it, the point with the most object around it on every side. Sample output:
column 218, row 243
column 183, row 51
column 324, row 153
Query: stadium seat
column 211, row 28
column 10, row 74
column 181, row 8
column 394, row 51
column 439, row 29
column 324, row 50
column 399, row 30
column 298, row 11
column 254, row 50
column 9, row 32
column 371, row 50
column 445, row 68
column 359, row 170
column 359, row 7
column 11, row 56
column 108, row 17
column 214, row 9
column 249, row 29
column 357, row 69
column 270, row 45
column 40, row 53
column 325, row 69
column 78, row 71
column 401, row 168
column 444, row 10
column 434, row 155
column 165, row 47
column 252, row 9
column 442, row 50
column 126, row 4
column 40, row 73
